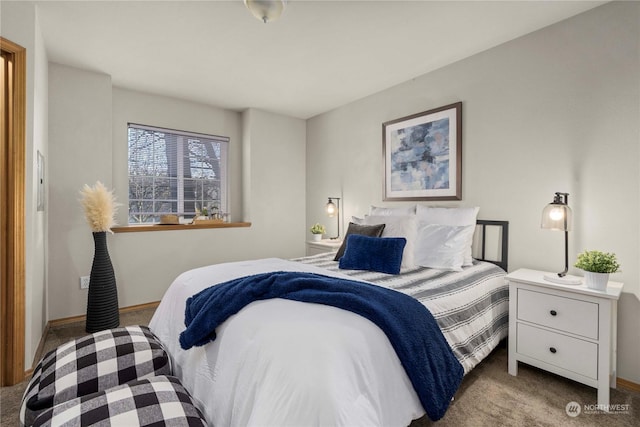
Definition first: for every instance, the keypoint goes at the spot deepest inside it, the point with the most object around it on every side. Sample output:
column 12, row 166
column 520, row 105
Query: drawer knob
column 553, row 312
column 552, row 350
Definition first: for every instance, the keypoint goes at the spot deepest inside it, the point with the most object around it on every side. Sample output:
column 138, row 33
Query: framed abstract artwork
column 423, row 155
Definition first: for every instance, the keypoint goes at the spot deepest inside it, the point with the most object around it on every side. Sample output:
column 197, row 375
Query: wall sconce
column 333, row 209
column 557, row 215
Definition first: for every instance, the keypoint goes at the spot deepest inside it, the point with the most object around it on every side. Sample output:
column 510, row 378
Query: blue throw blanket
column 414, row 334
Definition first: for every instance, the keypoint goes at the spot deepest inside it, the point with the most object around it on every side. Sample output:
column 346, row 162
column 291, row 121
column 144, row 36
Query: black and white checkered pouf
column 91, row 364
column 157, row 401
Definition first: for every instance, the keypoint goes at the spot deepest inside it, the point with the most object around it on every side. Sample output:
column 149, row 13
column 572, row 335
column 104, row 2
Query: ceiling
column 318, row 56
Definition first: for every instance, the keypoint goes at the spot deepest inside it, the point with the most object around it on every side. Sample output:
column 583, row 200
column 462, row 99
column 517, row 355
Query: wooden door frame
column 12, row 225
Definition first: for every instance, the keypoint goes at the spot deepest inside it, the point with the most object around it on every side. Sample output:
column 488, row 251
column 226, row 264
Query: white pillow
column 402, row 211
column 450, row 216
column 398, row 226
column 442, row 246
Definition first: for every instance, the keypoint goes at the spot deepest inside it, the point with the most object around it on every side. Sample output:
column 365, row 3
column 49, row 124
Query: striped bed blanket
column 471, row 307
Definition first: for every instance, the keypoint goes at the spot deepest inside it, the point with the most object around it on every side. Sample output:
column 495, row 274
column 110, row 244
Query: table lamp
column 557, row 215
column 333, row 209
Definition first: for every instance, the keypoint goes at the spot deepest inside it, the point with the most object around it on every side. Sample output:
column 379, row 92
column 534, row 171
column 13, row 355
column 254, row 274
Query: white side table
column 324, row 245
column 569, row 330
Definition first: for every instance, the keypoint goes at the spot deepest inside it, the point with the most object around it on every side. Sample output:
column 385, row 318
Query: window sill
column 167, row 227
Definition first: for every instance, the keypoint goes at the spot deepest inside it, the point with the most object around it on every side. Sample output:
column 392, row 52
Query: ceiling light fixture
column 266, row 10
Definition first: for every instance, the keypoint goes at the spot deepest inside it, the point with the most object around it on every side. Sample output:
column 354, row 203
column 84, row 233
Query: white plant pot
column 596, row 280
column 317, row 237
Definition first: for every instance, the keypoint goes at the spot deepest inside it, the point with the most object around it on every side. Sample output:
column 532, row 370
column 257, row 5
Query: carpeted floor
column 489, row 396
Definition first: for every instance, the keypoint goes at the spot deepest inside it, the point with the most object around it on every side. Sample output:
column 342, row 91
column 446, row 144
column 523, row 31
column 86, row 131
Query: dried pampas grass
column 100, row 207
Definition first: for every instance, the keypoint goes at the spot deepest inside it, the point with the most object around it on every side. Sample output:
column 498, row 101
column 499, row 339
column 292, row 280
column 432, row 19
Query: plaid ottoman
column 92, row 364
column 157, row 401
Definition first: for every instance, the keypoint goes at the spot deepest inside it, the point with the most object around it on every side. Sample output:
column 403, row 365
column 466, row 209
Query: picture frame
column 422, row 155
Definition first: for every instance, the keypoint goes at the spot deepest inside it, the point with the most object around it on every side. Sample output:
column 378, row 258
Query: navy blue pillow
column 363, row 230
column 381, row 254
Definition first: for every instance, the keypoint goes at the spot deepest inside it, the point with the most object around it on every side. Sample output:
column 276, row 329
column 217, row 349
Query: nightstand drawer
column 559, row 350
column 564, row 314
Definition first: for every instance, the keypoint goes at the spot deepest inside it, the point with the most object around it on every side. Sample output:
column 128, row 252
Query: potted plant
column 317, row 230
column 597, row 266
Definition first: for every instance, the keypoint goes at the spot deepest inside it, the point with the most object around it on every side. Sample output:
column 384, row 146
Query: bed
column 281, row 362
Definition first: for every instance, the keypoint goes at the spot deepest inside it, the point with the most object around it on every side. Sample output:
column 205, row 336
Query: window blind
column 172, row 171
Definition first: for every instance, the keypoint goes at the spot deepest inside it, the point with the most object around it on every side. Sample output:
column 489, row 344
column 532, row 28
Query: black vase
column 102, row 303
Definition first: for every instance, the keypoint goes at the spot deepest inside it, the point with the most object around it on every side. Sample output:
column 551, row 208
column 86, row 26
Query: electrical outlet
column 84, row 282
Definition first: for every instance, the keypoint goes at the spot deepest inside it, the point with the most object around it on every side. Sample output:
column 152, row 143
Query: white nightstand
column 569, row 330
column 324, row 245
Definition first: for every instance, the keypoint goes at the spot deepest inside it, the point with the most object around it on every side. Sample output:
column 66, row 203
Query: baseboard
column 39, row 350
column 137, row 307
column 82, row 318
column 627, row 385
column 76, row 319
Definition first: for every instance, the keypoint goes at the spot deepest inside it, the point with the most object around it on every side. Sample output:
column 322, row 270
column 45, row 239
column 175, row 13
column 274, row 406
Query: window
column 175, row 172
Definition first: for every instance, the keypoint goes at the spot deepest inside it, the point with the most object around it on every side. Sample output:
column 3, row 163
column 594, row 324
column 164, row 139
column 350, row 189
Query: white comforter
column 286, row 363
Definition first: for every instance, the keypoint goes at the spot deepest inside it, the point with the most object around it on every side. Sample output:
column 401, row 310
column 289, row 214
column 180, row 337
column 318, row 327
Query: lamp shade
column 557, row 215
column 332, row 210
column 266, row 10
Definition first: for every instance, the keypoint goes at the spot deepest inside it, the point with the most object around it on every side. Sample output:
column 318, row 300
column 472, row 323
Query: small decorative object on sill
column 169, row 219
column 317, row 231
column 102, row 301
column 208, row 215
column 597, row 266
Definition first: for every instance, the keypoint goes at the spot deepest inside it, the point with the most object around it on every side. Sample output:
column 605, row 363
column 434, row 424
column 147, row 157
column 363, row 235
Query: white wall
column 80, row 152
column 19, row 23
column 88, row 133
column 274, row 148
column 556, row 110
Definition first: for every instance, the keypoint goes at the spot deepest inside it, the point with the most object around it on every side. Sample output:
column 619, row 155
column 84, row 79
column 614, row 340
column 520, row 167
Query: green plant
column 318, row 229
column 597, row 262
